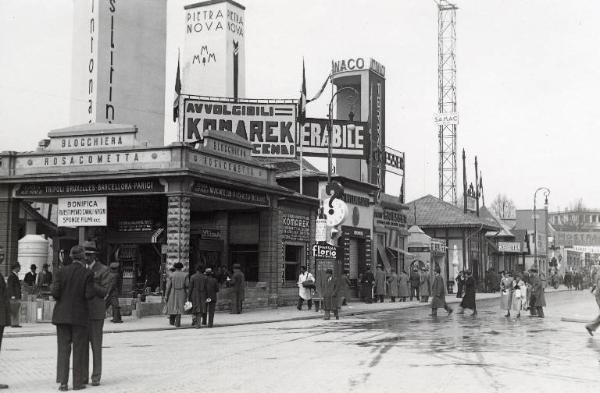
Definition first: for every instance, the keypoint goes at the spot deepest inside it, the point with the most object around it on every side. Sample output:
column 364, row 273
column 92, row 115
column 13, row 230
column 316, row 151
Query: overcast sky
column 528, row 77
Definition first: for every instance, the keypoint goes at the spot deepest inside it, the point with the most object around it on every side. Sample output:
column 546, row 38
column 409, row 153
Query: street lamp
column 329, row 154
column 546, row 193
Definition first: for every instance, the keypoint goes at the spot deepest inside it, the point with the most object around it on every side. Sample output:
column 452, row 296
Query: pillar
column 9, row 229
column 178, row 230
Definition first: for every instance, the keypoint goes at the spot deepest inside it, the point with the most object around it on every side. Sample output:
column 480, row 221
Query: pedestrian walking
column 403, row 286
column 14, row 294
column 415, row 279
column 177, row 286
column 197, row 294
column 519, row 292
column 380, row 283
column 330, row 295
column 438, row 293
column 345, row 288
column 96, row 315
column 238, row 283
column 468, row 300
column 368, row 280
column 537, row 300
column 592, row 326
column 506, row 291
column 211, row 287
column 72, row 288
column 424, row 285
column 460, row 284
column 393, row 282
column 112, row 294
column 4, row 314
column 306, row 283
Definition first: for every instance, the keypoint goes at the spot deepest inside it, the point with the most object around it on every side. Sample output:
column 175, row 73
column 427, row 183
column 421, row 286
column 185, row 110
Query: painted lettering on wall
column 349, row 139
column 91, row 62
column 198, row 21
column 110, row 109
column 357, row 64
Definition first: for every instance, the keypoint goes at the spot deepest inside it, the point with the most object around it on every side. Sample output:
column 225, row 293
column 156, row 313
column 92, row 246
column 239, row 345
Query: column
column 9, row 229
column 178, row 230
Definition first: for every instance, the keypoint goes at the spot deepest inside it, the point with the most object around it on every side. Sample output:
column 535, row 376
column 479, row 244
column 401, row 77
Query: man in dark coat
column 330, row 295
column 238, row 283
column 468, row 300
column 460, row 284
column 44, row 279
column 415, row 281
column 211, row 287
column 97, row 313
column 112, row 294
column 30, row 277
column 537, row 301
column 438, row 294
column 197, row 294
column 4, row 313
column 368, row 280
column 14, row 294
column 591, row 327
column 73, row 286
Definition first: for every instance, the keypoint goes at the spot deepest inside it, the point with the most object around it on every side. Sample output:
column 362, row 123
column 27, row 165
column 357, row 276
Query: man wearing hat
column 330, row 289
column 537, row 301
column 438, row 294
column 30, row 277
column 97, row 313
column 4, row 313
column 211, row 287
column 73, row 286
column 177, row 286
column 44, row 279
column 112, row 294
column 238, row 282
column 14, row 294
column 197, row 295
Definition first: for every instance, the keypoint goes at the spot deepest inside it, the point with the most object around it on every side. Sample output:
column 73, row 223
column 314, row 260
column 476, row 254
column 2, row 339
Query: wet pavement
column 393, row 351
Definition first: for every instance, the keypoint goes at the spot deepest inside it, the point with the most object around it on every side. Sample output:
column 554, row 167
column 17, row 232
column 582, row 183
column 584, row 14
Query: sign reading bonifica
column 82, row 212
column 269, row 126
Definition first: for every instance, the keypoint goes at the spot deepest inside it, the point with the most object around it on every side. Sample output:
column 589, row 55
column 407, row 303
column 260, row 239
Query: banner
column 82, row 212
column 350, row 139
column 269, row 126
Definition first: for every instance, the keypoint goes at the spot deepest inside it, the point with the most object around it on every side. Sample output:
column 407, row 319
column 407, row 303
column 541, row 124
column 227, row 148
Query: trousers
column 113, row 301
column 301, row 301
column 67, row 337
column 15, row 310
column 414, row 292
column 95, row 327
column 1, row 334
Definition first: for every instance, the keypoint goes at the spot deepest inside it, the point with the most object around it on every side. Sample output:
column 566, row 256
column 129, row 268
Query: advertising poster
column 269, row 126
column 82, row 211
column 349, row 139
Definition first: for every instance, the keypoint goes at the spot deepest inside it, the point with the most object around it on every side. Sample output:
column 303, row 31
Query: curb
column 298, row 318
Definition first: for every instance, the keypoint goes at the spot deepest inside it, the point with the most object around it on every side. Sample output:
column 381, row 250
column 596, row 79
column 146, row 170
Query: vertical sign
column 213, row 56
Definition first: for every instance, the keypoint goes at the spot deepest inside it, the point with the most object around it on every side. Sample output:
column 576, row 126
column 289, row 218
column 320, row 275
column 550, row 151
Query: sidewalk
column 250, row 317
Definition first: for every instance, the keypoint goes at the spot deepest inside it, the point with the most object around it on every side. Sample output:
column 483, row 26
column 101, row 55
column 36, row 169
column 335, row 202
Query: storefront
column 148, row 208
column 389, row 225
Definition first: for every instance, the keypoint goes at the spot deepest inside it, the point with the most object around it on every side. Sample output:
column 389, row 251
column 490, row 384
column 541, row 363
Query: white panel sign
column 82, row 212
column 445, row 119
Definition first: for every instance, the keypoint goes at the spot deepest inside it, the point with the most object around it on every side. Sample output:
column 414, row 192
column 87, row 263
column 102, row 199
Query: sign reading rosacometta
column 269, row 126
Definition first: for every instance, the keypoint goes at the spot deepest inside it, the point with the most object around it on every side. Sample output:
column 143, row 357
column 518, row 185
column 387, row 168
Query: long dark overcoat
column 537, row 298
column 211, row 288
column 403, row 290
column 73, row 286
column 4, row 303
column 197, row 292
column 330, row 290
column 468, row 300
column 238, row 284
column 177, row 286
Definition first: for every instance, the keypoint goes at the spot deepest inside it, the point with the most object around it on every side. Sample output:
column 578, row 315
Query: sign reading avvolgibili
column 230, row 194
column 270, row 126
column 89, row 188
column 82, row 211
column 349, row 138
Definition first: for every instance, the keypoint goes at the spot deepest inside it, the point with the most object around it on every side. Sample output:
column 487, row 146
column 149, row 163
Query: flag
column 302, row 101
column 177, row 92
column 321, row 90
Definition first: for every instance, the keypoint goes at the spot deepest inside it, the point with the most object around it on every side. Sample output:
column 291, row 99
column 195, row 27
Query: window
column 293, row 261
column 247, row 256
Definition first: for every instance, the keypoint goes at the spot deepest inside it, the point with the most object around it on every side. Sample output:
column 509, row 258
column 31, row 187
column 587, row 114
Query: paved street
column 403, row 350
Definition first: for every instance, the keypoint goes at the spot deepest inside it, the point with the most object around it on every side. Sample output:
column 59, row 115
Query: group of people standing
column 380, row 285
column 330, row 294
column 523, row 291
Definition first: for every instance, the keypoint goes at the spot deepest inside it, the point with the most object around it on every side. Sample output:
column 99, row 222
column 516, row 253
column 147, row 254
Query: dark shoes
column 16, row 326
column 116, row 321
column 63, row 388
column 589, row 330
column 3, row 386
column 78, row 387
column 95, row 383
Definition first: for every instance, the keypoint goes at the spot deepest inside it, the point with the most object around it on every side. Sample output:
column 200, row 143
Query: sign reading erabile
column 269, row 125
column 349, row 139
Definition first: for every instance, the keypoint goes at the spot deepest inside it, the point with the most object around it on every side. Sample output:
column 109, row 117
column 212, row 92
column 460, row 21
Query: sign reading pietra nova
column 269, row 126
column 82, row 211
column 349, row 139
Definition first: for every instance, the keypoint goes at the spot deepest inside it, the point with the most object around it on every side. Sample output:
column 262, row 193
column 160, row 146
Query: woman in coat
column 329, row 290
column 468, row 300
column 177, row 286
column 393, row 285
column 380, row 283
column 424, row 285
column 438, row 294
column 403, row 286
column 506, row 291
column 519, row 293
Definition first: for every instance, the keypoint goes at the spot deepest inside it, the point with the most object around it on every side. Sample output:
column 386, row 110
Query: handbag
column 187, row 306
column 309, row 284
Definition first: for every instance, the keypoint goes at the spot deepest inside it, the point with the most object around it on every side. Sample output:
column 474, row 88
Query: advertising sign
column 350, row 139
column 445, row 119
column 295, row 227
column 357, row 64
column 471, row 204
column 269, row 126
column 394, row 160
column 213, row 56
column 509, row 247
column 230, row 194
column 82, row 212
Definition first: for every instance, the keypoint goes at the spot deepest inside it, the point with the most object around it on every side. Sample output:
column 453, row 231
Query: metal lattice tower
column 447, row 98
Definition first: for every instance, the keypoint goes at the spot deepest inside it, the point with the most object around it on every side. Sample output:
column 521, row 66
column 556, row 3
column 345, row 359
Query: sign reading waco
column 270, row 126
column 82, row 212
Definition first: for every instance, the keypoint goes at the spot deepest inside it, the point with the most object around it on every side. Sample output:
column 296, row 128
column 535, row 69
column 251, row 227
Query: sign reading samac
column 270, row 126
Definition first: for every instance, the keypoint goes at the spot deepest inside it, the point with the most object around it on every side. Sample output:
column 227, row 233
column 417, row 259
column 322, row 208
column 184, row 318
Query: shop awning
column 397, row 251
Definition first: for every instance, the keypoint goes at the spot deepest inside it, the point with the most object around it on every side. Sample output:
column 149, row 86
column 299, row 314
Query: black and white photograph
column 299, row 196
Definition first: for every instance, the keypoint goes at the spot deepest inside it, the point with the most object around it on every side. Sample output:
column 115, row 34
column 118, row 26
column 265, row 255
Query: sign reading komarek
column 82, row 212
